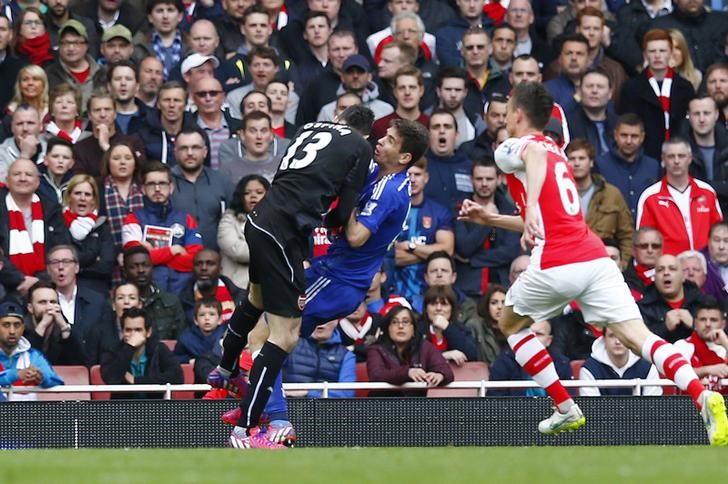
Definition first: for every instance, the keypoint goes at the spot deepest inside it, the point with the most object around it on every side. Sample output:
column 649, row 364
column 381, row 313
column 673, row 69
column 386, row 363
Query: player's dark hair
column 573, row 38
column 58, row 141
column 358, row 117
column 485, row 161
column 610, row 242
column 41, row 284
column 535, row 101
column 175, row 3
column 414, row 138
column 440, row 254
column 435, row 294
column 484, row 303
column 134, row 250
column 717, row 225
column 209, row 302
column 130, row 313
column 123, row 282
column 312, row 14
column 255, row 116
column 251, row 93
column 630, row 119
column 413, row 345
column 123, row 63
column 237, row 203
column 708, row 302
column 152, row 166
column 253, row 9
column 451, row 72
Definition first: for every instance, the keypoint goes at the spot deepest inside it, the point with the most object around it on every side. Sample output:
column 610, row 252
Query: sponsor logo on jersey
column 427, row 222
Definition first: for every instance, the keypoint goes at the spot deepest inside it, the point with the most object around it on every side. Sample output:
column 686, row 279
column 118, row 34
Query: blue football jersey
column 383, row 208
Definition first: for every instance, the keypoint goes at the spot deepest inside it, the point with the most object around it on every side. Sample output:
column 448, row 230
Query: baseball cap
column 11, row 309
column 74, row 25
column 196, row 60
column 356, row 60
column 116, row 31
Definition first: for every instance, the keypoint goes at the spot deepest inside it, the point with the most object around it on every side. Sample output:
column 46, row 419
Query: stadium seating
column 96, row 379
column 71, row 375
column 362, row 376
column 170, row 343
column 189, row 377
column 468, row 371
column 575, row 367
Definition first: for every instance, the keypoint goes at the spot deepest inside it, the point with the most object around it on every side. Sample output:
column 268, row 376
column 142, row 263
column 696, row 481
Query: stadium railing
column 482, row 386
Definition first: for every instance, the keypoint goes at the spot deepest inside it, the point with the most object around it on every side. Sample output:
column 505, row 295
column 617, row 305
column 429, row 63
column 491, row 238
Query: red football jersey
column 567, row 237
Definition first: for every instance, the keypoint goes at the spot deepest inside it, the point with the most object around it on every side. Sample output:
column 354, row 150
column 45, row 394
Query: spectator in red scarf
column 32, row 38
column 25, row 247
column 707, row 346
column 65, row 114
column 646, row 248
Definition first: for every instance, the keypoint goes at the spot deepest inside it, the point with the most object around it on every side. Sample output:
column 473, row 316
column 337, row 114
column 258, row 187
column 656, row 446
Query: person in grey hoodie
column 256, row 150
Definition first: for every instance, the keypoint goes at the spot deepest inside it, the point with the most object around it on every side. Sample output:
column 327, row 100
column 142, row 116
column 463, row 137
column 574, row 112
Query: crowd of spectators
column 136, row 136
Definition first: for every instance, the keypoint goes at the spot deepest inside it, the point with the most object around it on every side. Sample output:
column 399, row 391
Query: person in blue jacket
column 21, row 365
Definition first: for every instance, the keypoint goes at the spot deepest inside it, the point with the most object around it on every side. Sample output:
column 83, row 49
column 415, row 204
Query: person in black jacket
column 21, row 271
column 140, row 358
column 668, row 305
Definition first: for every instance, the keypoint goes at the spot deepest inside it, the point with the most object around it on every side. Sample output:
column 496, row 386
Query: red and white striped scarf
column 79, row 226
column 223, row 295
column 663, row 95
column 73, row 136
column 27, row 251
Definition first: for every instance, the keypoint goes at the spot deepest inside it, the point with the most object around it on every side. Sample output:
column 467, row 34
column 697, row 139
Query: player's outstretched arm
column 474, row 212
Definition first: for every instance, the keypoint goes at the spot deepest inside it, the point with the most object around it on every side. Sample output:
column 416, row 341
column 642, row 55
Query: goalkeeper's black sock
column 242, row 322
column 266, row 367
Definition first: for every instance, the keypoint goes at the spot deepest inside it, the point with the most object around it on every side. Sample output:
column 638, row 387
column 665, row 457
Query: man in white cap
column 195, row 67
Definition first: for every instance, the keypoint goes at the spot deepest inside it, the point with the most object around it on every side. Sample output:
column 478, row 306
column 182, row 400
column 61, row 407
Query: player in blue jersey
column 337, row 283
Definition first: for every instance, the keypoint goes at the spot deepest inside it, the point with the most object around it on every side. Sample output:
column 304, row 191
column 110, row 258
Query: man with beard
column 151, row 77
column 716, row 83
column 162, row 307
column 207, row 282
column 199, row 190
column 58, row 14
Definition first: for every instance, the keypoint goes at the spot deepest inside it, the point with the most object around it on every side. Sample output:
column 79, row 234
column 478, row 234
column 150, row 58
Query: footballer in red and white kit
column 570, row 261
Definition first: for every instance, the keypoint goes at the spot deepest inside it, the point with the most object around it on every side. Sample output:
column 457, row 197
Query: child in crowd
column 58, row 162
column 205, row 335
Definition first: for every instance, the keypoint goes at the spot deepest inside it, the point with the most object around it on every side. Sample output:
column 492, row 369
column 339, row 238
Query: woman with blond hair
column 682, row 61
column 31, row 87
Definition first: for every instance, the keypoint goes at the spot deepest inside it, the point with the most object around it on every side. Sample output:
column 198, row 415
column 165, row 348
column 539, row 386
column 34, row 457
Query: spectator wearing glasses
column 170, row 236
column 74, row 65
column 215, row 121
column 402, row 354
column 84, row 310
column 646, row 248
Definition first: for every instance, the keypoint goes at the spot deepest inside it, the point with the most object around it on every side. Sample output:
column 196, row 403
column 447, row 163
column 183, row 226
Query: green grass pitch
column 467, row 465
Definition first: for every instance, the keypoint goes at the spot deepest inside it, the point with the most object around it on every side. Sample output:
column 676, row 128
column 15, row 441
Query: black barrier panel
column 400, row 422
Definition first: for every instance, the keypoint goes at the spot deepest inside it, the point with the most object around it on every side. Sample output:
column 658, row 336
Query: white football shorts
column 597, row 285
